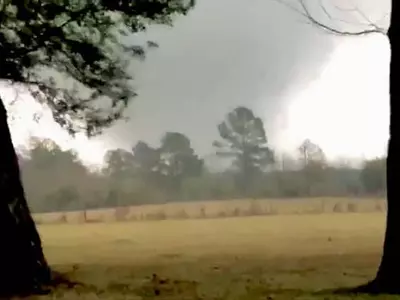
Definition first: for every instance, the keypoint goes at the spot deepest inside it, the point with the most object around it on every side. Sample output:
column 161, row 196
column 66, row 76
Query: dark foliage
column 173, row 172
column 73, row 55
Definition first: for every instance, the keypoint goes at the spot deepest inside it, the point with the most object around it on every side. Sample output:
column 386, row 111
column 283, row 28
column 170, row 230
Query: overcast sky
column 258, row 53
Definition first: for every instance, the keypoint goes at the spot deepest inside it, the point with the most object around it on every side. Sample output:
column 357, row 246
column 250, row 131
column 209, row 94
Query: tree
column 119, row 164
column 146, row 160
column 313, row 164
column 63, row 199
column 47, row 170
column 386, row 280
column 72, row 56
column 177, row 161
column 311, row 153
column 245, row 141
column 45, row 154
column 373, row 176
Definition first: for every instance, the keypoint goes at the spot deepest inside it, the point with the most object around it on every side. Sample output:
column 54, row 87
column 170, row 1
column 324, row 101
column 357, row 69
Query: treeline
column 56, row 180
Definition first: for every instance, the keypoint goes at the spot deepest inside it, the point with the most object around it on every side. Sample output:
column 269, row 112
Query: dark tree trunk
column 387, row 279
column 23, row 267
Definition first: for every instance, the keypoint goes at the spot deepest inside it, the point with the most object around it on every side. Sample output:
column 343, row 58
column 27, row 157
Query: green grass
column 275, row 257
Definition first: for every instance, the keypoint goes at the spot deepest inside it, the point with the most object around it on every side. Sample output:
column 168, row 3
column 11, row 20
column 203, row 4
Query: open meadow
column 217, row 209
column 280, row 256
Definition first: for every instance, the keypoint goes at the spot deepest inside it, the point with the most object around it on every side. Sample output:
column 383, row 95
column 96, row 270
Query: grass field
column 264, row 257
column 217, row 209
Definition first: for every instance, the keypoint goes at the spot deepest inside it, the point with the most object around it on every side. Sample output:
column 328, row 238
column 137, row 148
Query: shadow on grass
column 371, row 288
column 148, row 288
column 168, row 288
column 120, row 281
column 156, row 286
column 58, row 281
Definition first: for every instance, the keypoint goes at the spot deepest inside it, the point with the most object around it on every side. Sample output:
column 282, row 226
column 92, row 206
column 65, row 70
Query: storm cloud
column 225, row 53
column 257, row 53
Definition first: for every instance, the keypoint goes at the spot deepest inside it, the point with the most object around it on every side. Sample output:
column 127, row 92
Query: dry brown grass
column 275, row 257
column 218, row 209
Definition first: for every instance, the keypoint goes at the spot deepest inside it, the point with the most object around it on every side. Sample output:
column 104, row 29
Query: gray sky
column 226, row 53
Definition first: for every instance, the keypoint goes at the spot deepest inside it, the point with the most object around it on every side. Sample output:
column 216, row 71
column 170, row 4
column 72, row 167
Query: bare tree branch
column 305, row 12
column 329, row 15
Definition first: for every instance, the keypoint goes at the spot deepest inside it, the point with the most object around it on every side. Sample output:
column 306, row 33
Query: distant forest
column 55, row 180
